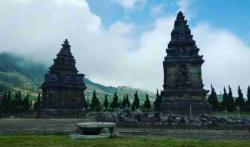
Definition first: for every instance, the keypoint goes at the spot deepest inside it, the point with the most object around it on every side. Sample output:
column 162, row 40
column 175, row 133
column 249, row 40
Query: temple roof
column 65, row 48
column 63, row 73
column 64, row 62
column 181, row 38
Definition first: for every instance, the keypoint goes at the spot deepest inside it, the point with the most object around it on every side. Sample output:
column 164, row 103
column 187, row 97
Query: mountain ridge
column 20, row 74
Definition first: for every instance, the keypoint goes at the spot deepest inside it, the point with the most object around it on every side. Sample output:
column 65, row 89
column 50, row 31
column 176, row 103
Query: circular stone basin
column 94, row 128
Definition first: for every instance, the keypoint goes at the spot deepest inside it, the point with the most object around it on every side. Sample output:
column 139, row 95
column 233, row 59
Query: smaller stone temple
column 63, row 88
column 183, row 87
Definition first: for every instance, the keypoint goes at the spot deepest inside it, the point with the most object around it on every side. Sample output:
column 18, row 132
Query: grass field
column 65, row 141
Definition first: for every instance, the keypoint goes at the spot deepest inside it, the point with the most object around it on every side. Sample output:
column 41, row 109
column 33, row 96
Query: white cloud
column 185, row 7
column 131, row 4
column 37, row 28
column 156, row 10
column 226, row 55
column 77, row 3
column 144, row 65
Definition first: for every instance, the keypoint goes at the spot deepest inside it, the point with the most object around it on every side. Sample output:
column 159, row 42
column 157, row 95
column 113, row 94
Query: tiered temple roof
column 182, row 43
column 65, row 62
column 63, row 72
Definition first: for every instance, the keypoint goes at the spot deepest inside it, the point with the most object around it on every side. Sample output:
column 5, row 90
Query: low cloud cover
column 114, row 55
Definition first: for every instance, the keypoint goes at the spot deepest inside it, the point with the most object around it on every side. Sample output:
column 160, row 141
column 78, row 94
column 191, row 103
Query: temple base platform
column 186, row 107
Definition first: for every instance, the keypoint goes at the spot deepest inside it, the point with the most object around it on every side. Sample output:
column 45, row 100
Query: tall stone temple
column 63, row 88
column 183, row 88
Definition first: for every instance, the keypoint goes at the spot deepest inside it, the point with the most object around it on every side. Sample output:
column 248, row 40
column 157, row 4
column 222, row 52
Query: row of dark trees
column 17, row 103
column 96, row 105
column 229, row 103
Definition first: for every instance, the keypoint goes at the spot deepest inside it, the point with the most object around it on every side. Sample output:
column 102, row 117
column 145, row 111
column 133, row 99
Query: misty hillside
column 17, row 64
column 109, row 90
column 19, row 74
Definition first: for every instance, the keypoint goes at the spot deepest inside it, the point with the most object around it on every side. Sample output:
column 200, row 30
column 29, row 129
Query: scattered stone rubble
column 128, row 117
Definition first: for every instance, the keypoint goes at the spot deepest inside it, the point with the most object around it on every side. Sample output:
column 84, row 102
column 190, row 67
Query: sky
column 123, row 42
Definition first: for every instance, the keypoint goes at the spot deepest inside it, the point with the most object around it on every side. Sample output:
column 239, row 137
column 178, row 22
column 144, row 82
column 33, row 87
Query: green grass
column 65, row 141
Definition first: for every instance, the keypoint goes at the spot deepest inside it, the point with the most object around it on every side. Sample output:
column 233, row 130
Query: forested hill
column 17, row 73
column 20, row 74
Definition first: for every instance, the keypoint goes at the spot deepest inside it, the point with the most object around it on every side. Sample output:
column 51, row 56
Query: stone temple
column 63, row 88
column 183, row 87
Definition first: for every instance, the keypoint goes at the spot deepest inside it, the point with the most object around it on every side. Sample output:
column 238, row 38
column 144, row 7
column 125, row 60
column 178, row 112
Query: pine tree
column 136, row 102
column 224, row 102
column 4, row 103
column 124, row 102
column 17, row 104
column 106, row 103
column 114, row 104
column 37, row 105
column 248, row 96
column 9, row 102
column 240, row 102
column 95, row 103
column 213, row 99
column 84, row 104
column 158, row 101
column 247, row 107
column 26, row 104
column 127, row 101
column 88, row 103
column 147, row 104
column 231, row 104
